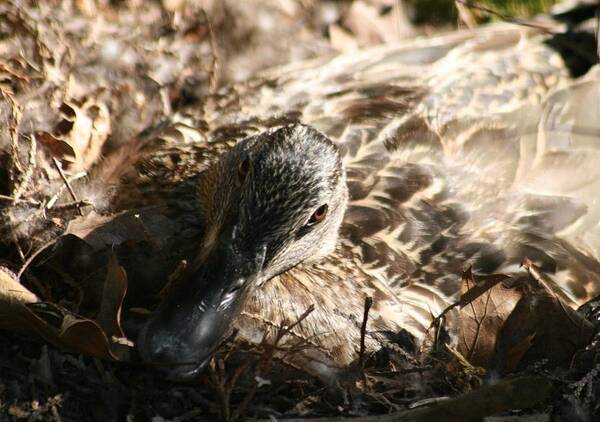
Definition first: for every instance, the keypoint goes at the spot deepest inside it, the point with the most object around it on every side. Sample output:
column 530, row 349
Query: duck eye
column 243, row 170
column 318, row 215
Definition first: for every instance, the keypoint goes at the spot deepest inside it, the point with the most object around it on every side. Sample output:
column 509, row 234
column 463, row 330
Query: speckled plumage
column 435, row 138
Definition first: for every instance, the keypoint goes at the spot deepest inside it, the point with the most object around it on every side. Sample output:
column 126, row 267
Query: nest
column 78, row 80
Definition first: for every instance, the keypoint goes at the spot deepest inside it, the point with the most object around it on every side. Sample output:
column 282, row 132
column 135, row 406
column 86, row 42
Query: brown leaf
column 63, row 329
column 56, row 147
column 507, row 328
column 84, row 336
column 517, row 351
column 541, row 326
column 13, row 297
column 21, row 311
column 77, row 139
column 481, row 286
column 115, row 288
column 12, row 292
column 81, row 227
column 483, row 309
column 135, row 238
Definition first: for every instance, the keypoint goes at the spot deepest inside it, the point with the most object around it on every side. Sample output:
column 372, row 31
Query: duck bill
column 198, row 314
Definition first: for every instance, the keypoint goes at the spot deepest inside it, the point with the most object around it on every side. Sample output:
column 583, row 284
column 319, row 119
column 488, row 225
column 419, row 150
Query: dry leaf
column 482, row 285
column 21, row 311
column 84, row 336
column 542, row 326
column 82, row 227
column 115, row 288
column 61, row 328
column 77, row 139
column 12, row 292
column 485, row 306
column 509, row 328
column 57, row 148
column 13, row 298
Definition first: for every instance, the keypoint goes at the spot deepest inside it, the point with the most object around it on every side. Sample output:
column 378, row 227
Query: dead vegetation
column 79, row 79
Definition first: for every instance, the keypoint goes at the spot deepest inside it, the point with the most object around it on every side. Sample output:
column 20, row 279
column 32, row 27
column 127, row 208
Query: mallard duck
column 380, row 173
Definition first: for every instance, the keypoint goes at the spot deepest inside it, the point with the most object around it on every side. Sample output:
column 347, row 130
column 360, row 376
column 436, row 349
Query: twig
column 363, row 330
column 64, row 178
column 74, row 204
column 285, row 330
column 561, row 298
column 217, row 376
column 573, row 47
column 214, row 65
column 547, row 285
column 18, row 245
column 233, row 416
column 50, row 203
column 13, row 199
column 266, row 360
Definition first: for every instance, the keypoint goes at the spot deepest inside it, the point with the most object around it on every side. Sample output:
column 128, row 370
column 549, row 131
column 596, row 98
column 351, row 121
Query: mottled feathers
column 440, row 142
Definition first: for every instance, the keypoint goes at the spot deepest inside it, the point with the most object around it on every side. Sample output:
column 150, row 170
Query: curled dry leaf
column 84, row 227
column 21, row 311
column 508, row 328
column 13, row 298
column 77, row 139
column 57, row 326
column 485, row 305
column 56, row 147
column 12, row 292
column 542, row 326
column 115, row 288
column 84, row 336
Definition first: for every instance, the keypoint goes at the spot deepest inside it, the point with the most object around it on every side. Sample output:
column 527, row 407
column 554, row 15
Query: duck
column 378, row 174
column 326, row 182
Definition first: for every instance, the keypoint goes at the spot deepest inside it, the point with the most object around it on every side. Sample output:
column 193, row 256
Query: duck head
column 272, row 202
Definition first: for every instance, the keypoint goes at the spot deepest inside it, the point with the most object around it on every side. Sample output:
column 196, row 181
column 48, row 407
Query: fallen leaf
column 21, row 311
column 77, row 139
column 515, row 353
column 84, row 336
column 484, row 307
column 509, row 328
column 13, row 297
column 542, row 326
column 115, row 288
column 12, row 291
column 57, row 147
column 482, row 285
column 63, row 329
column 81, row 227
